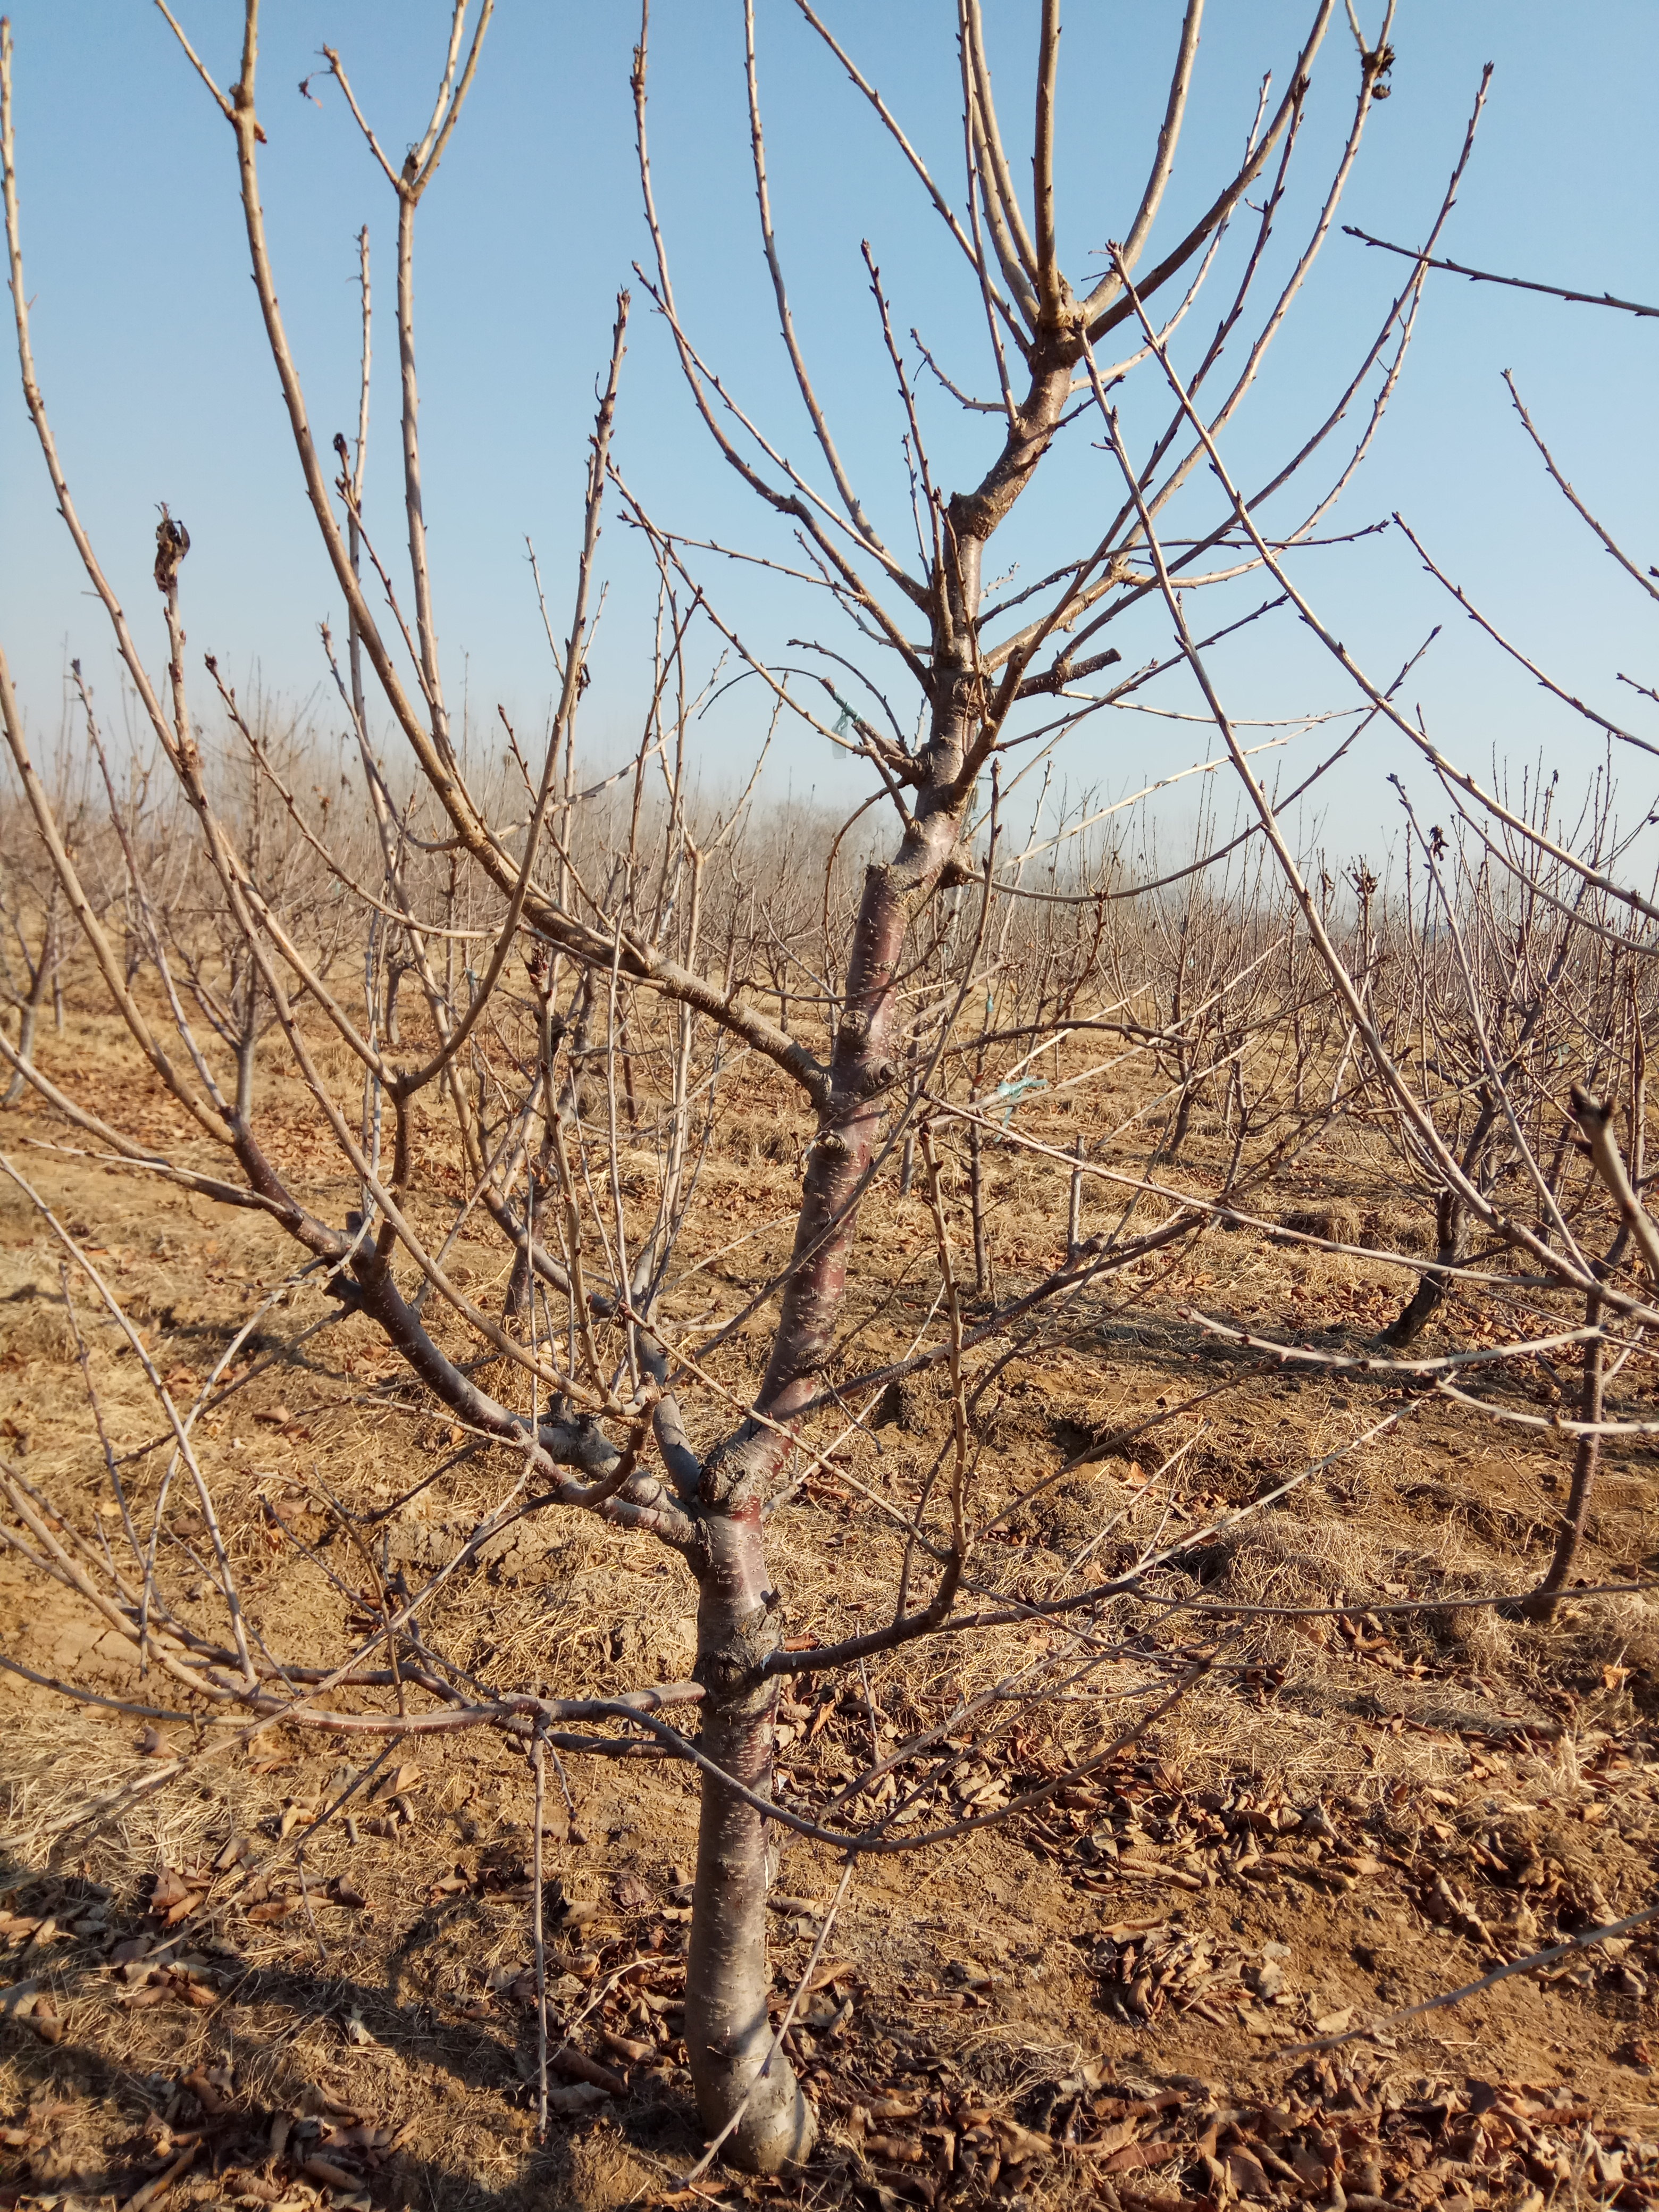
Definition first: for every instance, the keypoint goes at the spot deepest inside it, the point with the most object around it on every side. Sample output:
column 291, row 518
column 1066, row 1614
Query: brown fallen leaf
column 1114, row 2137
column 1019, row 2144
column 324, row 2170
column 897, row 2150
column 170, row 1890
column 1247, row 2175
column 206, row 2092
column 1152, row 1869
column 630, row 1893
column 252, row 2188
column 577, row 2066
column 46, row 2023
column 163, row 2181
column 832, row 1970
column 894, row 2108
column 625, row 2046
column 1137, row 2155
column 579, row 2097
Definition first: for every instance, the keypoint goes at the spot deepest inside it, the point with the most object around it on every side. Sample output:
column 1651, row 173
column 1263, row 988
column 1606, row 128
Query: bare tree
column 587, row 953
column 31, row 957
column 1543, row 943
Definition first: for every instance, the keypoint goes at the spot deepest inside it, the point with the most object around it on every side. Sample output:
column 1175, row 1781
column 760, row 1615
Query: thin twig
column 539, row 1766
column 1487, row 276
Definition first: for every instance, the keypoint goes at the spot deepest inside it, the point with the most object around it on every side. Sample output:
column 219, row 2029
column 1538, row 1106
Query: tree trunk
column 726, row 2034
column 1586, row 1459
column 727, row 2039
column 1171, row 1146
column 727, row 1977
column 29, row 1017
column 625, row 1054
column 1433, row 1288
column 520, row 1289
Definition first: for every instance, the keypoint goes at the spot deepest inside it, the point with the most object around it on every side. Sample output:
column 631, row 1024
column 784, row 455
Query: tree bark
column 1171, row 1149
column 1433, row 1288
column 1586, row 1461
column 739, row 1622
column 29, row 1015
column 727, row 1978
column 394, row 1030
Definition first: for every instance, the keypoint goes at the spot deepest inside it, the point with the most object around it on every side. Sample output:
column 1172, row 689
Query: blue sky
column 152, row 358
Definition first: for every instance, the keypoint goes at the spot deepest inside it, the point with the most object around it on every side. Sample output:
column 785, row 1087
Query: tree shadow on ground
column 289, row 2066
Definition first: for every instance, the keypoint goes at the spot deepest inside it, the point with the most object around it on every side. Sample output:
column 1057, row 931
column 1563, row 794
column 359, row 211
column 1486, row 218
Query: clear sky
column 152, row 361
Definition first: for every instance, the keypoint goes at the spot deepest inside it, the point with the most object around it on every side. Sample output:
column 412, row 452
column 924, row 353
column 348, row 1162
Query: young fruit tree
column 500, row 1011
